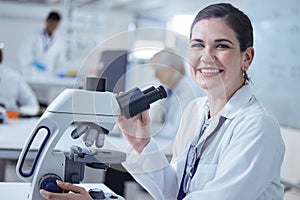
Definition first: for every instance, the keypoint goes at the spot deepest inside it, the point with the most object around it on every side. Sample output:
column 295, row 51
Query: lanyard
column 194, row 154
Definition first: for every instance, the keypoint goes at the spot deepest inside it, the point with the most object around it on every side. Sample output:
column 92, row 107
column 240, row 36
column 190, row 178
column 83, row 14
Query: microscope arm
column 69, row 107
column 88, row 110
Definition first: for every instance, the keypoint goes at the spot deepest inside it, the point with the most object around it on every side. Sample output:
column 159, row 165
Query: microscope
column 92, row 114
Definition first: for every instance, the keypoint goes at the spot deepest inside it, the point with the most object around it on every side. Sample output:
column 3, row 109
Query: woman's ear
column 248, row 58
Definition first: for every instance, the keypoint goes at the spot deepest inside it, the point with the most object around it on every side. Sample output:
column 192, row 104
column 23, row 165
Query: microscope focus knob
column 97, row 194
column 75, row 178
column 48, row 182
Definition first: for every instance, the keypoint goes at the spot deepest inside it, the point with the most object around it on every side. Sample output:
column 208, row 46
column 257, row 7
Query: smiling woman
column 217, row 61
column 223, row 143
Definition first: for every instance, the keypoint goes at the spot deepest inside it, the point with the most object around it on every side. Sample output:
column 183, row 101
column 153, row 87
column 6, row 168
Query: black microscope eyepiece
column 136, row 101
column 153, row 94
column 132, row 102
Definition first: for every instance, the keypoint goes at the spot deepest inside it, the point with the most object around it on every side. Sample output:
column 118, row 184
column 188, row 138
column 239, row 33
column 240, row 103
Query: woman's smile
column 209, row 72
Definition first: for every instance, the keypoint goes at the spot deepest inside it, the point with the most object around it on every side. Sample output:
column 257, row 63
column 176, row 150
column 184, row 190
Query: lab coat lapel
column 193, row 118
column 212, row 128
column 210, row 136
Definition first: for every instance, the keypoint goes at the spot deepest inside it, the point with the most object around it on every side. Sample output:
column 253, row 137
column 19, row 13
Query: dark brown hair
column 235, row 19
column 54, row 16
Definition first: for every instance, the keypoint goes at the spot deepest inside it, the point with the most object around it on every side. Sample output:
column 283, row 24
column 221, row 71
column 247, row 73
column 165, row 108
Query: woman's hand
column 77, row 193
column 137, row 130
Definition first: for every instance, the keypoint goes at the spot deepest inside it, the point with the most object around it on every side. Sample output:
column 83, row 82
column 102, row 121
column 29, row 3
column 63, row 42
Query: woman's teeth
column 210, row 71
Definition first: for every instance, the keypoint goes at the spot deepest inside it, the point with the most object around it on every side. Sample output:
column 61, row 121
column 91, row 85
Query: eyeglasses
column 190, row 168
column 194, row 155
column 193, row 158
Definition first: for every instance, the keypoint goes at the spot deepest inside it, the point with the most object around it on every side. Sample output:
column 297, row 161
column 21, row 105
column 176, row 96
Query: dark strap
column 181, row 193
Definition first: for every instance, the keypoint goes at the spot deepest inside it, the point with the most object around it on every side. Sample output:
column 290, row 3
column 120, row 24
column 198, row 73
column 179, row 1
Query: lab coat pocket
column 204, row 174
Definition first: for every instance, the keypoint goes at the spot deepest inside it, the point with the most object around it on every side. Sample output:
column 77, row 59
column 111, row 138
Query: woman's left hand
column 137, row 130
column 77, row 193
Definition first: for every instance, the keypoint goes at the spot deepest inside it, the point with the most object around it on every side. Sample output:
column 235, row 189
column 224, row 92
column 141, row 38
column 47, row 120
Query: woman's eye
column 197, row 45
column 222, row 46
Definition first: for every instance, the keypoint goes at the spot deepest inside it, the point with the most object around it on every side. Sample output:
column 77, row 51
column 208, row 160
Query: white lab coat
column 243, row 161
column 170, row 110
column 15, row 93
column 39, row 47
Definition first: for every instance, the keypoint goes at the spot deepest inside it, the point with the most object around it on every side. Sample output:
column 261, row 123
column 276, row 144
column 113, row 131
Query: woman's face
column 216, row 61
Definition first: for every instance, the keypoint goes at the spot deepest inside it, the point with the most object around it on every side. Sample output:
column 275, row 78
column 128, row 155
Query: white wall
column 275, row 70
column 291, row 165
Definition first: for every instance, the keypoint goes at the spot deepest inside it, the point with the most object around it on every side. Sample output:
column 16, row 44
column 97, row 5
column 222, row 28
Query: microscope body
column 71, row 106
column 92, row 113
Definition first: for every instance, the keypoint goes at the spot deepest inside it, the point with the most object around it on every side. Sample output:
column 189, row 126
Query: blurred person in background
column 15, row 93
column 44, row 51
column 170, row 71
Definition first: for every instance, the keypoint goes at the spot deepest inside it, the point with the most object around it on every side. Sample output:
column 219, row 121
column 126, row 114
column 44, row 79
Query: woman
column 228, row 145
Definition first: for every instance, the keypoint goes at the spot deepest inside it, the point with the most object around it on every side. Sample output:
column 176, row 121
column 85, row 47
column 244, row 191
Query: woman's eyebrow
column 217, row 40
column 196, row 40
column 223, row 40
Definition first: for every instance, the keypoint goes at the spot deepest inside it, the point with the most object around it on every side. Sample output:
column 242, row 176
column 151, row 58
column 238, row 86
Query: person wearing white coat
column 43, row 52
column 15, row 93
column 241, row 161
column 170, row 71
column 229, row 146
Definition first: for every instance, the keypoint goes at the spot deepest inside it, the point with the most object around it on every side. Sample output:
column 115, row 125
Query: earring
column 245, row 75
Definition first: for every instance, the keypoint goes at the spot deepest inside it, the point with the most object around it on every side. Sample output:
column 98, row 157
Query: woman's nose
column 207, row 56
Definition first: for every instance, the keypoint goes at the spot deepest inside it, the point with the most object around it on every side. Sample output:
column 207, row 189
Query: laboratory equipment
column 93, row 113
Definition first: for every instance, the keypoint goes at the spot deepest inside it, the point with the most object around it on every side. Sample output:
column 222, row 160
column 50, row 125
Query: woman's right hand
column 137, row 130
column 76, row 192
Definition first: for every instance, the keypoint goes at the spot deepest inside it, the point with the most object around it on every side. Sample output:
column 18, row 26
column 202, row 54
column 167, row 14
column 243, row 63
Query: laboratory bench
column 15, row 134
column 20, row 190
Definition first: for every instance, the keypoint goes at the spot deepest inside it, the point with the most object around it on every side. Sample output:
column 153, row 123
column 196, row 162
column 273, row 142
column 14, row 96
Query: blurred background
column 140, row 28
column 116, row 24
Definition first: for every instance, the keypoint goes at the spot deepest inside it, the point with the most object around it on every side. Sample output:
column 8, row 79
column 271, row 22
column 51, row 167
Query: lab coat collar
column 240, row 98
column 46, row 35
column 229, row 111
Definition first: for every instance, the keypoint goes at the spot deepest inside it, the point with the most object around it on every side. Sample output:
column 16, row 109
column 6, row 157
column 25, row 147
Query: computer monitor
column 113, row 67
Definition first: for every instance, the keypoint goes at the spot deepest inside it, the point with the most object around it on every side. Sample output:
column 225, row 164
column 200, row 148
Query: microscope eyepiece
column 153, row 94
column 136, row 101
column 132, row 102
